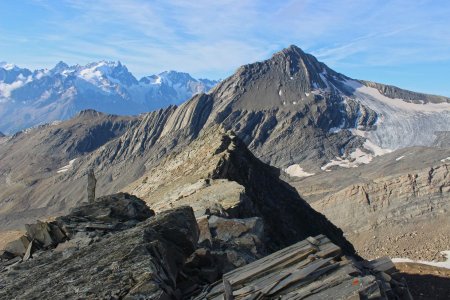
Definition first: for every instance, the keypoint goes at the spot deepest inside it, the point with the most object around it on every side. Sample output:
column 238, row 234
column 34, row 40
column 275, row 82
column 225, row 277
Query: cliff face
column 397, row 205
column 389, row 200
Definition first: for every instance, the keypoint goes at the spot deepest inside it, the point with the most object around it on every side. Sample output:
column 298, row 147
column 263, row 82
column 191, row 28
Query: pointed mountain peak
column 8, row 66
column 59, row 67
column 61, row 64
column 286, row 80
column 292, row 50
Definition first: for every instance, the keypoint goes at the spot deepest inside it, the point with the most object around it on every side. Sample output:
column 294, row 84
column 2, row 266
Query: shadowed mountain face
column 290, row 109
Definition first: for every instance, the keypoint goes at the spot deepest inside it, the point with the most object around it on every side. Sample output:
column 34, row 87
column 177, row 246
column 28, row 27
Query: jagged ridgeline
column 29, row 98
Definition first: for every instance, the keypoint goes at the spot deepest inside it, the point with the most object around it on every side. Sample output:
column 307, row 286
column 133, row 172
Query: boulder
column 242, row 239
column 46, row 234
column 108, row 213
column 226, row 230
column 18, row 247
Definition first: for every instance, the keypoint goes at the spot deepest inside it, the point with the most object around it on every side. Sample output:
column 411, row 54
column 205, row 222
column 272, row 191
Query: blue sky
column 405, row 43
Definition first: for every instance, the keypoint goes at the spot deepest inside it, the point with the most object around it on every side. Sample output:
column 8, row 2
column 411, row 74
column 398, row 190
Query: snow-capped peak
column 59, row 67
column 8, row 66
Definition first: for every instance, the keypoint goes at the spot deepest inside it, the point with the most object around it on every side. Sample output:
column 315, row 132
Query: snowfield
column 401, row 124
column 441, row 264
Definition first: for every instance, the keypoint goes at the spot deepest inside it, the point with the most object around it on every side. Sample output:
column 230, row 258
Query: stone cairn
column 92, row 182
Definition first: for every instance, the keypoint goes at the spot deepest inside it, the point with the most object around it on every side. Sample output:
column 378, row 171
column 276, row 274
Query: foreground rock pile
column 116, row 248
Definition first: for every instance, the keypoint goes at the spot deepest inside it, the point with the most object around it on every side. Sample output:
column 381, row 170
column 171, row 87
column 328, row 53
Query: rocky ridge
column 217, row 174
column 115, row 247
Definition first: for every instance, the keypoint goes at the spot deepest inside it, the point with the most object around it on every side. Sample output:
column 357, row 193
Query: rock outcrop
column 392, row 199
column 219, row 177
column 86, row 222
column 141, row 262
column 91, row 184
column 398, row 93
column 310, row 269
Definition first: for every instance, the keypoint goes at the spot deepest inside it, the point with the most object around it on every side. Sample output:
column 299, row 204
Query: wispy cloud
column 212, row 38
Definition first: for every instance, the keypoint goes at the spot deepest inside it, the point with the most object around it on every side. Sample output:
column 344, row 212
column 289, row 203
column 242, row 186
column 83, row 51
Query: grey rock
column 139, row 263
column 108, row 213
column 91, row 185
column 46, row 234
column 395, row 92
column 27, row 255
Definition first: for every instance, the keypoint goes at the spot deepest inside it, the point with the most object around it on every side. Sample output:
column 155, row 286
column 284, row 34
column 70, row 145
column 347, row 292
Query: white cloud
column 215, row 37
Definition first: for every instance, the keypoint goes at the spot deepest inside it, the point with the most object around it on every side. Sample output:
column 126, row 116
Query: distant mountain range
column 29, row 98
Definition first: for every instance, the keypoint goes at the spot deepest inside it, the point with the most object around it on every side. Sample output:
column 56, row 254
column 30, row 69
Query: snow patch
column 398, row 103
column 296, row 171
column 441, row 264
column 400, row 158
column 368, row 144
column 361, row 157
column 357, row 157
column 7, row 67
column 66, row 167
